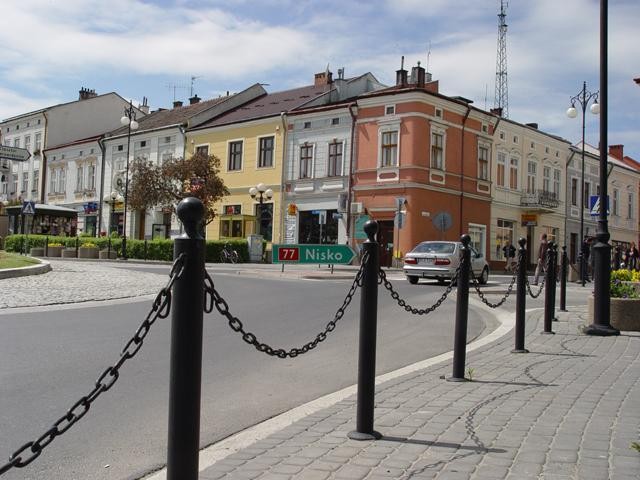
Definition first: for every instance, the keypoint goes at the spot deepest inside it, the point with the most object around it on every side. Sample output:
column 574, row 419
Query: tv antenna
column 193, row 80
column 174, row 87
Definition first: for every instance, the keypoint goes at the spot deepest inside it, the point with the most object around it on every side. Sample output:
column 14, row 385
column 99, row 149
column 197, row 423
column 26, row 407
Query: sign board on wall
column 529, row 219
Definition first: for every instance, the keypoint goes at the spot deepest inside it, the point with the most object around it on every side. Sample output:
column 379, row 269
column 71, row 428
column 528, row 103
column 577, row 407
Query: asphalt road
column 50, row 358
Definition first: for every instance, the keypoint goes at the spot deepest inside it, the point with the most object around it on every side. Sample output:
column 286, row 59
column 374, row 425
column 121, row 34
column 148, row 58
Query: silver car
column 439, row 260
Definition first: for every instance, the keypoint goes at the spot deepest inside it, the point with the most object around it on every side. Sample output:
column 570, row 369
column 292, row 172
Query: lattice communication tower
column 502, row 90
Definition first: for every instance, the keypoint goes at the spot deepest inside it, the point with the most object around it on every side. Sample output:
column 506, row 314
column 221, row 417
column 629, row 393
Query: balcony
column 541, row 199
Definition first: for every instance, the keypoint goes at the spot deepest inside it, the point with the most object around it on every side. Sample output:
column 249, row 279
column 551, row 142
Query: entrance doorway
column 385, row 241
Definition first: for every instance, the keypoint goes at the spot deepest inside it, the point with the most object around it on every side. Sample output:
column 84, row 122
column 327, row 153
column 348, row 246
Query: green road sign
column 322, row 254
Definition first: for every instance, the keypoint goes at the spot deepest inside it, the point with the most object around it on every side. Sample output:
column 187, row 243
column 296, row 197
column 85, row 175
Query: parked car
column 439, row 260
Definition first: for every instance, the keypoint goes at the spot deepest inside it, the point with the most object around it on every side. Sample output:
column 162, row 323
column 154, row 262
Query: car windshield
column 435, row 247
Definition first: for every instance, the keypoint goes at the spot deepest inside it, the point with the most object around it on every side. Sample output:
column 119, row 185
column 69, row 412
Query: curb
column 42, row 267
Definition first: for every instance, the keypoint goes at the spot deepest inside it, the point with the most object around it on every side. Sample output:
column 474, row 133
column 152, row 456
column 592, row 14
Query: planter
column 623, row 313
column 88, row 252
column 107, row 255
column 37, row 252
column 69, row 253
column 54, row 251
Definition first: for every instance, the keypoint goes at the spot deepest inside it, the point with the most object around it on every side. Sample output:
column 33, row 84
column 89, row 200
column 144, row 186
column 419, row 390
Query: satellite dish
column 442, row 221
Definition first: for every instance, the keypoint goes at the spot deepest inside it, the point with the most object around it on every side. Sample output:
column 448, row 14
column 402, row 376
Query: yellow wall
column 239, row 182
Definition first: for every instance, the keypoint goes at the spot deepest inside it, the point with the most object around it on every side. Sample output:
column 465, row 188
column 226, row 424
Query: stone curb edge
column 42, row 267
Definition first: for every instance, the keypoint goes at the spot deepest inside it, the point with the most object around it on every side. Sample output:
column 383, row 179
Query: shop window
column 318, row 226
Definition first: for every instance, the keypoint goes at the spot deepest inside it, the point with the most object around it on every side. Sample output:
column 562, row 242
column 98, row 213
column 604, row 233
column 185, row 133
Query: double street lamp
column 128, row 119
column 112, row 198
column 261, row 193
column 582, row 99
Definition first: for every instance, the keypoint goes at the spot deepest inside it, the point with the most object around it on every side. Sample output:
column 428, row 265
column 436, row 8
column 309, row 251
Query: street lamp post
column 111, row 200
column 582, row 99
column 261, row 193
column 128, row 119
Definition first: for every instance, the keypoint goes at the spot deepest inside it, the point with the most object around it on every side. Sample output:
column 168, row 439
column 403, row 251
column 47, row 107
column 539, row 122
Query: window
column 27, row 142
column 546, row 149
column 265, row 155
column 485, row 128
column 25, row 181
column 483, row 163
column 307, row 125
column 556, row 182
column 62, row 181
column 502, row 160
column 120, row 148
column 438, row 112
column 630, row 205
column 202, row 150
column 390, row 110
column 264, row 216
column 80, row 179
column 574, row 192
column 478, row 234
column 91, row 177
column 501, row 135
column 515, row 139
column 235, row 156
column 335, row 121
column 306, row 161
column 389, row 149
column 437, row 150
column 504, row 236
column 16, row 142
column 546, row 179
column 533, row 145
column 334, row 167
column 585, row 195
column 513, row 173
column 53, row 180
column 616, row 201
column 532, row 172
column 36, row 181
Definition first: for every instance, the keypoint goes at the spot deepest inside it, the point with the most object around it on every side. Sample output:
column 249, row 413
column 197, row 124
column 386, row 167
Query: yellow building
column 250, row 143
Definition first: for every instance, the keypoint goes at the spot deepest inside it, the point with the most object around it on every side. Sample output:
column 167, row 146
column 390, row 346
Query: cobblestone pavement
column 568, row 410
column 73, row 282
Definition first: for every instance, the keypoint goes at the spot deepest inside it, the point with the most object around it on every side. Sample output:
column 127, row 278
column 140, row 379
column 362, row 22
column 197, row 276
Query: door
column 385, row 241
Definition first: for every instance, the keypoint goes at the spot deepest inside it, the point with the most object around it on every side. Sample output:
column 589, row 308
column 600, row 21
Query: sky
column 159, row 49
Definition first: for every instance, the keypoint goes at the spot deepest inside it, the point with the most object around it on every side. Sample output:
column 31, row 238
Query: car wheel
column 484, row 276
column 412, row 280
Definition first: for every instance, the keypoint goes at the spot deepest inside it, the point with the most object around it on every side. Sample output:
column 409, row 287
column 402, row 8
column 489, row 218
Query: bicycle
column 228, row 254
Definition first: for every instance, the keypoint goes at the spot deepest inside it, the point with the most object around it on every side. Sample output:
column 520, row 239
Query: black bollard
column 46, row 246
column 563, row 279
column 367, row 342
column 549, row 290
column 554, row 260
column 186, row 347
column 462, row 313
column 145, row 248
column 77, row 246
column 521, row 297
column 109, row 248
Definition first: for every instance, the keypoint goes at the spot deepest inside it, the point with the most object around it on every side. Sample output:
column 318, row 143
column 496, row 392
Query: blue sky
column 140, row 48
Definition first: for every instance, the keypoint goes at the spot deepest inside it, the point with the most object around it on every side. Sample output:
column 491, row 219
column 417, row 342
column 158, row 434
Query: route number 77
column 288, row 254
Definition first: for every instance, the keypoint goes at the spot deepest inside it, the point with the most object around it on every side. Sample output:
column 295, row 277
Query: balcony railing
column 540, row 198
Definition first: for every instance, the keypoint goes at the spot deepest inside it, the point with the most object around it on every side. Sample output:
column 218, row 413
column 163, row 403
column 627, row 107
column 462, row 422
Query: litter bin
column 255, row 248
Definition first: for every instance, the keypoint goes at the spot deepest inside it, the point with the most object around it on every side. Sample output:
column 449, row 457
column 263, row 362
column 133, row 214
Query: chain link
column 544, row 279
column 416, row 311
column 213, row 298
column 160, row 309
column 476, row 285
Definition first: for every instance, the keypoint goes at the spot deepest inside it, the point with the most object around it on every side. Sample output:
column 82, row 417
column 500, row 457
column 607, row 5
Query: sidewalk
column 568, row 410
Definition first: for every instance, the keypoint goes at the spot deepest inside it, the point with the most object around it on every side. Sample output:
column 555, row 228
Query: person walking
column 542, row 258
column 632, row 257
column 509, row 252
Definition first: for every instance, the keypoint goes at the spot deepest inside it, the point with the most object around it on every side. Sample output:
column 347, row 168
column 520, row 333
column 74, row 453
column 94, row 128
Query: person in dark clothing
column 586, row 253
column 632, row 257
column 542, row 258
column 509, row 252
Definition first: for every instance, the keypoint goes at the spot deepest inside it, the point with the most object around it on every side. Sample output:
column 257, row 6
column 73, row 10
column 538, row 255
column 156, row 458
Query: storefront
column 47, row 220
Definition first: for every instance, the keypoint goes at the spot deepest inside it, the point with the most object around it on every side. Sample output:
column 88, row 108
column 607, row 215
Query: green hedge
column 155, row 249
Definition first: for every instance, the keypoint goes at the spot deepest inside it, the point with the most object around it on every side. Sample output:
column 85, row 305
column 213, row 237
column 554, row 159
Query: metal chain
column 212, row 297
column 544, row 279
column 416, row 311
column 160, row 309
column 476, row 285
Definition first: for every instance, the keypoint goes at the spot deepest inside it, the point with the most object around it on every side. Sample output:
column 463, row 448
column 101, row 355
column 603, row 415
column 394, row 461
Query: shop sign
column 529, row 220
column 359, row 227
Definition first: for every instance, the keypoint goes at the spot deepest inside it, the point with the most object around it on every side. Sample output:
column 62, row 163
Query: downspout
column 464, row 123
column 352, row 151
column 283, row 120
column 43, row 179
column 566, row 205
column 103, row 149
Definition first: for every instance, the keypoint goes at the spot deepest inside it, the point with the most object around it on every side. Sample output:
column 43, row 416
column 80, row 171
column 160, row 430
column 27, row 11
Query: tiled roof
column 166, row 118
column 269, row 105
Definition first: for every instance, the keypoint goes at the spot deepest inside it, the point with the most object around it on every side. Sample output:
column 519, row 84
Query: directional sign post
column 14, row 153
column 318, row 254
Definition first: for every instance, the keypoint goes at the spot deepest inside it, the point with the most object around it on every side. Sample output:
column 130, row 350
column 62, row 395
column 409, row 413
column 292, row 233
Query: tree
column 164, row 185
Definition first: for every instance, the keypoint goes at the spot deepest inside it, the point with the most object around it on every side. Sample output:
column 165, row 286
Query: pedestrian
column 542, row 258
column 586, row 253
column 509, row 252
column 632, row 257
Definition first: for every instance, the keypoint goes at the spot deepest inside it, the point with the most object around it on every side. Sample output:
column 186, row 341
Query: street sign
column 594, row 205
column 398, row 220
column 14, row 153
column 308, row 253
column 28, row 208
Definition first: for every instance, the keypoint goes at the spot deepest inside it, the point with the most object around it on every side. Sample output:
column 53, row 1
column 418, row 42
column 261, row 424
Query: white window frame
column 390, row 107
column 438, row 130
column 517, row 169
column 273, row 151
column 557, row 182
column 229, row 142
column 388, row 128
column 577, row 192
column 615, row 207
column 91, row 176
column 79, row 177
column 482, row 229
column 341, row 166
column 487, row 149
column 313, row 160
column 532, row 176
column 630, row 210
column 546, row 178
column 501, row 182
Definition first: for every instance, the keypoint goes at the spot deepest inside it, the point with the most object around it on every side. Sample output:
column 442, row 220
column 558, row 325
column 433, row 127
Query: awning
column 44, row 209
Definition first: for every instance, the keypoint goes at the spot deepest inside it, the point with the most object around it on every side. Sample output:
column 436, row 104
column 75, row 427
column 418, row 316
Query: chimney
column 418, row 75
column 532, row 125
column 85, row 93
column 144, row 108
column 616, row 151
column 323, row 78
column 177, row 103
column 401, row 75
column 496, row 111
column 341, row 73
column 195, row 99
